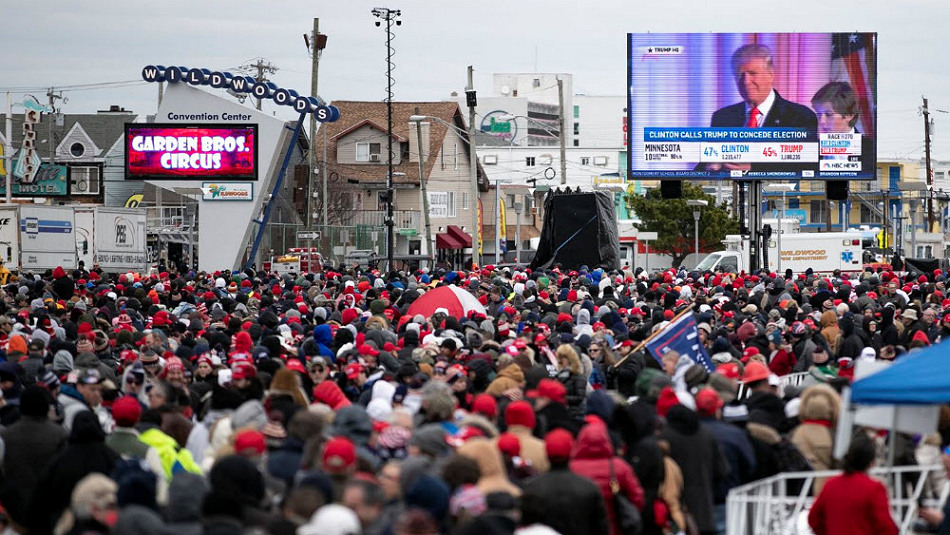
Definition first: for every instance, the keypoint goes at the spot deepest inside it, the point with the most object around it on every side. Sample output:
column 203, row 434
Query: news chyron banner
column 182, row 152
column 752, row 105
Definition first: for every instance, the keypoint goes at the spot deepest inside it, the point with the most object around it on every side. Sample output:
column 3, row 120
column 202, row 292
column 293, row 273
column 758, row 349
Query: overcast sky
column 95, row 41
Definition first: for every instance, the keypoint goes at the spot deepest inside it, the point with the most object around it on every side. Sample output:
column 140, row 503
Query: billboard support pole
column 262, row 224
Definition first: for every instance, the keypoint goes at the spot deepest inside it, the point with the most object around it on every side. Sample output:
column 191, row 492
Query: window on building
column 577, row 143
column 577, row 129
column 464, row 201
column 577, row 112
column 456, row 156
column 536, row 83
column 529, row 161
column 793, row 203
column 450, row 203
column 868, row 215
column 404, row 150
column 368, row 152
column 600, row 161
column 381, row 200
column 84, row 180
column 585, row 160
column 490, row 159
column 819, row 211
column 77, row 149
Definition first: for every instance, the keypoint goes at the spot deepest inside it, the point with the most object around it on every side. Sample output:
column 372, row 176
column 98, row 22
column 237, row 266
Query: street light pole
column 696, row 232
column 473, row 163
column 697, row 204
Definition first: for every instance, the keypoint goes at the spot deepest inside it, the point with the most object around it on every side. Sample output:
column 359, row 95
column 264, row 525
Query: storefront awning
column 444, row 240
column 459, row 235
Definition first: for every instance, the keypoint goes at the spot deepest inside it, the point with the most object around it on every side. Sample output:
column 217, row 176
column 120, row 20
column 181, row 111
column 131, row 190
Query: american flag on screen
column 853, row 60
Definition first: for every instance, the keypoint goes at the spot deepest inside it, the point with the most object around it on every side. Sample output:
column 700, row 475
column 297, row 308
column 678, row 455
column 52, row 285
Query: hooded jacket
column 830, row 330
column 637, row 423
column 494, row 477
column 593, row 457
column 86, row 453
column 699, row 456
column 323, row 338
column 814, row 437
column 508, row 378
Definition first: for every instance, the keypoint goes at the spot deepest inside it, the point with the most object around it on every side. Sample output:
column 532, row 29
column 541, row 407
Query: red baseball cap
column 249, row 442
column 338, row 455
column 243, row 370
column 708, row 402
column 353, row 370
column 295, row 365
column 558, row 445
column 553, row 390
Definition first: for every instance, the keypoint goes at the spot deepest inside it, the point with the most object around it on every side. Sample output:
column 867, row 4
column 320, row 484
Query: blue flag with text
column 682, row 336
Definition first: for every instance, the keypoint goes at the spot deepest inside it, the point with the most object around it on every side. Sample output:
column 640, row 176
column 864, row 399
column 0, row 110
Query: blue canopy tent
column 922, row 378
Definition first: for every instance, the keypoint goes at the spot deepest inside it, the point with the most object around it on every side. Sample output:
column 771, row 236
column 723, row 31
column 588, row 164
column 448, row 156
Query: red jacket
column 592, row 456
column 852, row 503
column 782, row 363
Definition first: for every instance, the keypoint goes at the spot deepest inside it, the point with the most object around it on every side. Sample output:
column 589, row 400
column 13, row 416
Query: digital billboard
column 752, row 106
column 200, row 152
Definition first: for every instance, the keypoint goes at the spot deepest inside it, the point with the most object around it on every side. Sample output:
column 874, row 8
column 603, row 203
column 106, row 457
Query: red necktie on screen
column 753, row 118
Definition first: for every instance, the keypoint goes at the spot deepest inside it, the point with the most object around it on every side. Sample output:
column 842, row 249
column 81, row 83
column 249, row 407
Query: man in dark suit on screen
column 761, row 106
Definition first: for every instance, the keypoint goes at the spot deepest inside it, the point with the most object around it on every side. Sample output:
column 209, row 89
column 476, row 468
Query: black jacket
column 637, row 423
column 85, row 454
column 30, row 444
column 698, row 455
column 572, row 503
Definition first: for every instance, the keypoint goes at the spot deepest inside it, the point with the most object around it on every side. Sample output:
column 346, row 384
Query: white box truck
column 822, row 252
column 119, row 243
column 10, row 237
column 47, row 237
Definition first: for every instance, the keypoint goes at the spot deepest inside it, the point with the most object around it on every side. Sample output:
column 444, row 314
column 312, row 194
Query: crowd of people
column 325, row 403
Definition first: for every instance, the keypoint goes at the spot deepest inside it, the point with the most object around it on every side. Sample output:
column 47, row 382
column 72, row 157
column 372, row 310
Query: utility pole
column 263, row 68
column 471, row 100
column 315, row 69
column 930, row 171
column 53, row 97
column 424, row 204
column 8, row 149
column 560, row 129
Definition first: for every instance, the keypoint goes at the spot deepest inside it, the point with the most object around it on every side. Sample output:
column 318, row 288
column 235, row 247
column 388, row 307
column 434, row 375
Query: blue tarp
column 921, row 378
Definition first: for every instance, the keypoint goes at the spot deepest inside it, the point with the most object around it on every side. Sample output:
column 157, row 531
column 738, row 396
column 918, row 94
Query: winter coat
column 782, row 362
column 30, row 444
column 852, row 503
column 174, row 458
column 494, row 477
column 768, row 408
column 532, row 448
column 671, row 492
column 735, row 445
column 576, row 387
column 814, row 437
column 508, row 378
column 851, row 343
column 284, row 462
column 86, row 453
column 830, row 331
column 572, row 503
column 593, row 457
column 637, row 423
column 696, row 451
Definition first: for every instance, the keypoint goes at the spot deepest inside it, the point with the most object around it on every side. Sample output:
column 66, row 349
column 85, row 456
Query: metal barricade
column 767, row 506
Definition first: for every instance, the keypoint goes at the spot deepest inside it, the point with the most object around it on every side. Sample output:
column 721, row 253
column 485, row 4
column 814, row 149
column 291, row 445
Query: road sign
column 308, row 235
column 646, row 236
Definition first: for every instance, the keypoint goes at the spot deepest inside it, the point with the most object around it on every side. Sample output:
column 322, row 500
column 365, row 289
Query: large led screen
column 752, row 105
column 200, row 152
